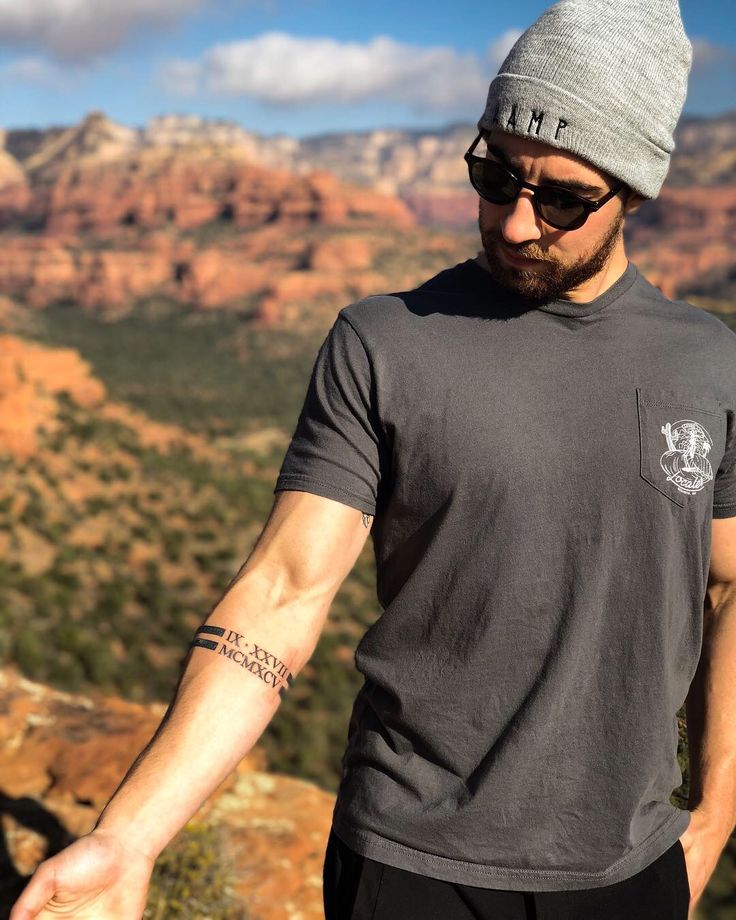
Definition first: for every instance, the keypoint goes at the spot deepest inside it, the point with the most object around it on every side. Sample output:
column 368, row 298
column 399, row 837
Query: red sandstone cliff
column 277, row 274
column 685, row 237
column 63, row 755
column 96, row 178
column 97, row 217
column 102, row 215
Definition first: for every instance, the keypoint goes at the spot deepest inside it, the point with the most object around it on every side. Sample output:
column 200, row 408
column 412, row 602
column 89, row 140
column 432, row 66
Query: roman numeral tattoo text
column 248, row 655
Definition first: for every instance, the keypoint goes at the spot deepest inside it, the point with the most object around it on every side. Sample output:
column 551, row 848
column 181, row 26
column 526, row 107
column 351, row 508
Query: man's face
column 564, row 259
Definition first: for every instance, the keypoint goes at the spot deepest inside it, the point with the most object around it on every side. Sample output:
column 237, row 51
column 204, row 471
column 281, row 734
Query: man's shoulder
column 707, row 323
column 703, row 321
column 386, row 311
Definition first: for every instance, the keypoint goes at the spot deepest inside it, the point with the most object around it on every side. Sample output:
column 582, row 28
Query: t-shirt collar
column 563, row 307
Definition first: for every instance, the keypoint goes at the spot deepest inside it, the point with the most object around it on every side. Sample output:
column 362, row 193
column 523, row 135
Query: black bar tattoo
column 247, row 655
column 205, row 643
column 212, row 630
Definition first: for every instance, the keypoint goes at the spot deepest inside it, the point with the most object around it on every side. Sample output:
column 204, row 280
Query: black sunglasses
column 558, row 207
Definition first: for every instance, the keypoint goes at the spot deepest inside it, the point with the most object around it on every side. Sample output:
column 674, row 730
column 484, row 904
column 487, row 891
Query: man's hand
column 98, row 877
column 703, row 843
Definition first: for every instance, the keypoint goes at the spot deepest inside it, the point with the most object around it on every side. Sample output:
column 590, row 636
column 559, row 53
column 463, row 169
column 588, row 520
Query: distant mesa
column 96, row 138
column 121, row 187
column 11, row 172
column 179, row 170
column 103, row 215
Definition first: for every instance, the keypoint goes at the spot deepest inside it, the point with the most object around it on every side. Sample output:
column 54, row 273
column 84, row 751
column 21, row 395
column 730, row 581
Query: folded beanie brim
column 533, row 108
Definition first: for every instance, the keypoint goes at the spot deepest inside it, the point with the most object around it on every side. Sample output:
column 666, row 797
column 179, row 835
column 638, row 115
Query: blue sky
column 298, row 67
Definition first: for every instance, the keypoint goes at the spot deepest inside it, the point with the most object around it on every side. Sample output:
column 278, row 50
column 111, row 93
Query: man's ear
column 633, row 202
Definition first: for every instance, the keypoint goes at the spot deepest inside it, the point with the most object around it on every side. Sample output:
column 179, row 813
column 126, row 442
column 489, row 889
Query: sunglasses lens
column 555, row 206
column 492, row 182
column 558, row 208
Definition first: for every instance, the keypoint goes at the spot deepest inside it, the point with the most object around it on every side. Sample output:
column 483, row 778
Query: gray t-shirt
column 543, row 481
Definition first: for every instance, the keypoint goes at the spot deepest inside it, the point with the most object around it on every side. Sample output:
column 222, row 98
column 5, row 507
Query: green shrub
column 192, row 879
column 28, row 653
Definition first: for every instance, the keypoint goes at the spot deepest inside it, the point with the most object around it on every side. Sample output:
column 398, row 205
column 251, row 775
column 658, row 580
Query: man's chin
column 527, row 283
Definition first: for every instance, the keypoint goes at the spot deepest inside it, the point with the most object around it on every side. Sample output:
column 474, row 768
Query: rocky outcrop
column 30, row 378
column 63, row 755
column 97, row 138
column 100, row 177
column 272, row 272
column 114, row 200
column 685, row 239
column 40, row 271
column 11, row 172
column 157, row 189
column 33, row 376
column 15, row 193
column 43, row 271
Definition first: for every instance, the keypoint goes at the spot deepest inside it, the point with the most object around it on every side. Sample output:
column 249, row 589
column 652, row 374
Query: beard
column 550, row 280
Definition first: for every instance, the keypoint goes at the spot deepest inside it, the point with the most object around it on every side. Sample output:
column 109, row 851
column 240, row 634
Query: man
column 547, row 448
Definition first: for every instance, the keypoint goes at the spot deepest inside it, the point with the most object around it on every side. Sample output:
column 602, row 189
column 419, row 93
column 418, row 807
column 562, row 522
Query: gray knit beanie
column 604, row 79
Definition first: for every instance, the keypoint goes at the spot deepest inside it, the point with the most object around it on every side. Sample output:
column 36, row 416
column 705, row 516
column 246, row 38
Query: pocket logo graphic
column 686, row 459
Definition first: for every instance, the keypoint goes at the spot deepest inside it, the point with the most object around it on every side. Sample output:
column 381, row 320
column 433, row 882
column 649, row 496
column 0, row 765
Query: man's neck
column 601, row 282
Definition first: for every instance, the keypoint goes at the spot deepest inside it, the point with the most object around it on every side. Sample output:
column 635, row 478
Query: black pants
column 358, row 888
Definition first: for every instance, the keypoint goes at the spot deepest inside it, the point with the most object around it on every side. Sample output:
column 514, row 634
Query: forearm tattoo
column 367, row 518
column 248, row 655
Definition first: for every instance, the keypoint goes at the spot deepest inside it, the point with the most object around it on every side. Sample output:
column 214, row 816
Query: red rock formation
column 14, row 188
column 443, row 207
column 684, row 236
column 30, row 376
column 37, row 271
column 341, row 253
column 116, row 225
column 158, row 188
column 214, row 277
column 267, row 266
column 11, row 172
column 63, row 755
column 41, row 271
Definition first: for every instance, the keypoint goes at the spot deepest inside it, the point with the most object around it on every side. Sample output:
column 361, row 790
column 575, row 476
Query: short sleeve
column 337, row 450
column 724, row 488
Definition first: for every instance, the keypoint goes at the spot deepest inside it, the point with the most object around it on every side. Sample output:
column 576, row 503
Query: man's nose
column 520, row 221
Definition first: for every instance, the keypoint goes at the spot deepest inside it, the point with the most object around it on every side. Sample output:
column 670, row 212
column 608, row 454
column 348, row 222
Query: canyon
column 208, row 213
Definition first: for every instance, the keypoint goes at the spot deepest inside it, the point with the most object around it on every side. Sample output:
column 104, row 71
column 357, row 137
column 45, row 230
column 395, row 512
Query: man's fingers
column 37, row 893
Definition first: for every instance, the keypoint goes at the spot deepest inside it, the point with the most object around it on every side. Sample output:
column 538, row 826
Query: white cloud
column 707, row 55
column 34, row 70
column 280, row 69
column 182, row 78
column 712, row 84
column 80, row 30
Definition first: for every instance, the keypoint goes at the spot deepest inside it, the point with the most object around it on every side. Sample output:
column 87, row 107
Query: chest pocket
column 681, row 442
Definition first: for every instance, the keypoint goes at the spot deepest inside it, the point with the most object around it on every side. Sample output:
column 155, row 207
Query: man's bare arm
column 711, row 701
column 241, row 664
column 711, row 719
